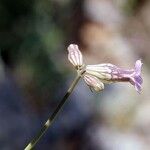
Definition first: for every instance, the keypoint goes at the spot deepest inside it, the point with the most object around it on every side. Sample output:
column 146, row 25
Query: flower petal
column 74, row 55
column 136, row 78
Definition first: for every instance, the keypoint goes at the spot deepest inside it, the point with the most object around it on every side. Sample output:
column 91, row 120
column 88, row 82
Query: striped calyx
column 93, row 82
column 75, row 56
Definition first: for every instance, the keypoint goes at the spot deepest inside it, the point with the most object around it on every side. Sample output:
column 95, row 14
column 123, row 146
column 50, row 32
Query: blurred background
column 35, row 73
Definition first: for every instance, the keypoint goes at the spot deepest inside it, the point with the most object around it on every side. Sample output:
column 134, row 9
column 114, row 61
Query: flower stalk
column 95, row 76
column 50, row 120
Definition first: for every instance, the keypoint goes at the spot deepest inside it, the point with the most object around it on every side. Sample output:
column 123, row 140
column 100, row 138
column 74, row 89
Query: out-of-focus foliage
column 32, row 32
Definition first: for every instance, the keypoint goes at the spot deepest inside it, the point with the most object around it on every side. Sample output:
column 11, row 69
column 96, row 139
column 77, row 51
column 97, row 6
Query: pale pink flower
column 96, row 75
column 109, row 73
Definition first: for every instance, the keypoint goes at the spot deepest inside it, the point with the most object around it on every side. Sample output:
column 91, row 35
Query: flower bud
column 93, row 82
column 75, row 56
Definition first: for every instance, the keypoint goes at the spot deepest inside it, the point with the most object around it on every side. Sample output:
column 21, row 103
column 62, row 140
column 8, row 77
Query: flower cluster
column 97, row 75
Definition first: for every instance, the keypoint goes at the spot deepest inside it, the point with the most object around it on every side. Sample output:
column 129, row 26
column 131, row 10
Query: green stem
column 54, row 114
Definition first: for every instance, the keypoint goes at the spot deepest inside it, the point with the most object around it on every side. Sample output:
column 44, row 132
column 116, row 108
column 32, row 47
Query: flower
column 96, row 75
column 109, row 73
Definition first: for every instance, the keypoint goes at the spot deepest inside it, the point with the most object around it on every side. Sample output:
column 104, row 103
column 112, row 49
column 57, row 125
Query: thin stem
column 54, row 114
